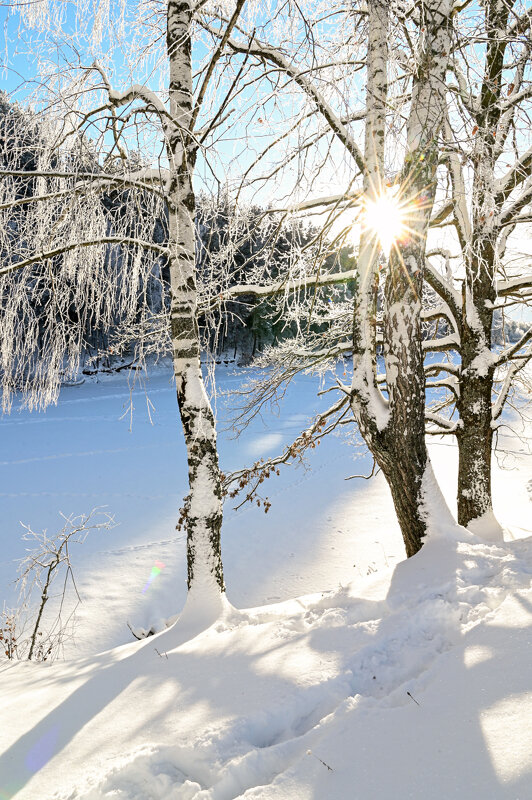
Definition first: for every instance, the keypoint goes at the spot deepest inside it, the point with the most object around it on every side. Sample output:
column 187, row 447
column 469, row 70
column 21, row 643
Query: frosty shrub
column 27, row 631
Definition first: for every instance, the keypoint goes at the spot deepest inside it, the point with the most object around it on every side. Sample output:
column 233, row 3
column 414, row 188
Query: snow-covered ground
column 352, row 674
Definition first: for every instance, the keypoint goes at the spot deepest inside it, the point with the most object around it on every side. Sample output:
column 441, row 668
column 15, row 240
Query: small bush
column 26, row 632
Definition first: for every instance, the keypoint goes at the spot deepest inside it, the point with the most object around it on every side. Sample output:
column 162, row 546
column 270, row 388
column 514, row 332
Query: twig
column 366, row 477
column 310, row 753
column 414, row 699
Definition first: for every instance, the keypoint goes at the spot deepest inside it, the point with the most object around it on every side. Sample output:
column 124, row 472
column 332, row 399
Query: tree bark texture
column 203, row 505
column 475, row 436
column 395, row 431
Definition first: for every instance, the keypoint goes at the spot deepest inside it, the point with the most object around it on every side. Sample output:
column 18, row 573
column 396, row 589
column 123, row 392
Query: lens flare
column 155, row 570
column 43, row 750
column 386, row 218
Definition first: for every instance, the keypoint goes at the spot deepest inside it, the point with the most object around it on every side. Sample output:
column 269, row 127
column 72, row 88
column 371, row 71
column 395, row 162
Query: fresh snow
column 335, row 668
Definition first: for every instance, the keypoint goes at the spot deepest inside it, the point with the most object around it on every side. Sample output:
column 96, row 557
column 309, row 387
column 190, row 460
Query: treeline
column 230, row 248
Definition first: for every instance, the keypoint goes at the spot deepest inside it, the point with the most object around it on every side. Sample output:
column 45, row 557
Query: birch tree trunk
column 203, row 505
column 395, row 430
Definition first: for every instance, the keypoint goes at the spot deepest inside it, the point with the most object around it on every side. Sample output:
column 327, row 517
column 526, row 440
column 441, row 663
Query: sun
column 386, row 218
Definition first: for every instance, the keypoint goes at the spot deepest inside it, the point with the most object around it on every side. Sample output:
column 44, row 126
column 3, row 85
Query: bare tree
column 183, row 118
column 389, row 412
column 28, row 632
column 482, row 122
column 477, row 276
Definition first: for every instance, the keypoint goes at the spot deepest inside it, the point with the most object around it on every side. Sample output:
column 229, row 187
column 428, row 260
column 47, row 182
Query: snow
column 487, row 527
column 439, row 519
column 334, row 669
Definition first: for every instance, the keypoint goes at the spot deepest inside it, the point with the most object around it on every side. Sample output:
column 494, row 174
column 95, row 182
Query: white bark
column 203, row 505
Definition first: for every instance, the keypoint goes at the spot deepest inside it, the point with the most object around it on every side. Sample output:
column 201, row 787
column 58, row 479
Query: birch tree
column 485, row 121
column 182, row 116
column 392, row 421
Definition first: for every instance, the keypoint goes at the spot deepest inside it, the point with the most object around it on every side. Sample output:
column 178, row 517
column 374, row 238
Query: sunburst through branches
column 387, row 218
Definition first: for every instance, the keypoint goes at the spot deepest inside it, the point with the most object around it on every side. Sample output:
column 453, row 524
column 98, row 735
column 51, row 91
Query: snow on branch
column 513, row 368
column 510, row 215
column 520, row 24
column 45, row 255
column 516, row 98
column 450, row 383
column 514, row 350
column 139, row 179
column 444, row 425
column 516, row 175
column 136, row 91
column 443, row 287
column 440, row 311
column 442, row 366
column 451, row 342
column 442, row 213
column 513, row 285
column 349, row 198
column 289, row 285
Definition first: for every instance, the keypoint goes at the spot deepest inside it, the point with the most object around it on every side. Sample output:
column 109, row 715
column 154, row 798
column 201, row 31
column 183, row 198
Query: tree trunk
column 474, row 467
column 203, row 505
column 395, row 430
column 406, row 452
column 403, row 466
column 474, row 404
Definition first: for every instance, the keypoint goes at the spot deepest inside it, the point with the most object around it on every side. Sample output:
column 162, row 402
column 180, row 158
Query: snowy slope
column 408, row 679
column 320, row 531
column 417, row 685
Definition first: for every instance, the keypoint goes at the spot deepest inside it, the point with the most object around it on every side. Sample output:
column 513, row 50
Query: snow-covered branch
column 513, row 285
column 57, row 251
column 513, row 368
column 516, row 175
column 450, row 383
column 441, row 345
column 444, row 425
column 443, row 287
column 147, row 179
column 136, row 91
column 442, row 366
column 513, row 351
column 305, row 282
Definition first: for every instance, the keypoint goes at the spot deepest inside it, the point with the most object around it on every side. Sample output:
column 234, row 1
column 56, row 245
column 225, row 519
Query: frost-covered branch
column 304, row 282
column 514, row 350
column 265, row 52
column 444, row 425
column 67, row 248
column 147, row 179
